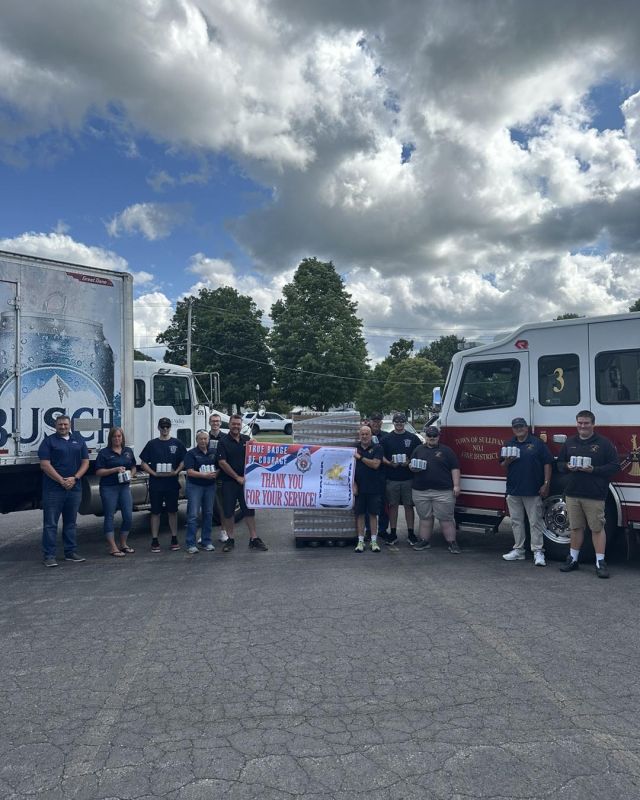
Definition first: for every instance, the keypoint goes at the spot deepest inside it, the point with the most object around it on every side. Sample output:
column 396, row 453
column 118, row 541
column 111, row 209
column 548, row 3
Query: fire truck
column 546, row 372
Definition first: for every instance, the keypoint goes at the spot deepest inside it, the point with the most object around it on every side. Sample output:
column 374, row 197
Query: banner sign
column 298, row 476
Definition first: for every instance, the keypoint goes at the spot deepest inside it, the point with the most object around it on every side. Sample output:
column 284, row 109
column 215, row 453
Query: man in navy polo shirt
column 369, row 481
column 528, row 481
column 64, row 459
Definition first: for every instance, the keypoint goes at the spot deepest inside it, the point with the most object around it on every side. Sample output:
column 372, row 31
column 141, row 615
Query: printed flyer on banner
column 298, row 476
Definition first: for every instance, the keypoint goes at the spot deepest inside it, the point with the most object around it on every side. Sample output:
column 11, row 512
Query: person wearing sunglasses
column 436, row 484
column 162, row 459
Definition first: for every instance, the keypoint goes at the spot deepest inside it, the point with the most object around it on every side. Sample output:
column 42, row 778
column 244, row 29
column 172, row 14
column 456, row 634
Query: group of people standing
column 395, row 468
column 392, row 469
column 214, row 476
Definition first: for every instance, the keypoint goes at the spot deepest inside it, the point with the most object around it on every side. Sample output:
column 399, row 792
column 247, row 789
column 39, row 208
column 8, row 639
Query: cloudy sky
column 467, row 166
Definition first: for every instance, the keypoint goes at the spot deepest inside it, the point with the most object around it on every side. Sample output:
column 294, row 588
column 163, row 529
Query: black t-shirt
column 440, row 461
column 195, row 459
column 378, row 438
column 108, row 459
column 159, row 451
column 394, row 444
column 368, row 479
column 232, row 452
column 215, row 440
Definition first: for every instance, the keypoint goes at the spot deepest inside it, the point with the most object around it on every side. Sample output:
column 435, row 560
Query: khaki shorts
column 399, row 493
column 436, row 503
column 584, row 511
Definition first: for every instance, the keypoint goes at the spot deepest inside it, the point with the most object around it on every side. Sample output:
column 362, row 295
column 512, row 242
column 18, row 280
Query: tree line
column 313, row 355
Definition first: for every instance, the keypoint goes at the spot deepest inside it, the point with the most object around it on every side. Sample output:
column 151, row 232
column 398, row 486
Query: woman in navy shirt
column 202, row 470
column 115, row 466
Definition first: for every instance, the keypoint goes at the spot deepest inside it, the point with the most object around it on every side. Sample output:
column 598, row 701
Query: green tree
column 635, row 306
column 370, row 396
column 442, row 350
column 410, row 383
column 316, row 330
column 140, row 356
column 399, row 350
column 227, row 337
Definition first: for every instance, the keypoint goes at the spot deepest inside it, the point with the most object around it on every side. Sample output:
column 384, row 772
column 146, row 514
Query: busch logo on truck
column 546, row 373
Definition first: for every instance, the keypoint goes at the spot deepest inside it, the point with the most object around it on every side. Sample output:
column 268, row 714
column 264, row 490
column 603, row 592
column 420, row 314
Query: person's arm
column 455, row 475
column 177, row 470
column 611, row 465
column 226, row 467
column 150, row 471
column 374, row 463
column 47, row 467
column 544, row 489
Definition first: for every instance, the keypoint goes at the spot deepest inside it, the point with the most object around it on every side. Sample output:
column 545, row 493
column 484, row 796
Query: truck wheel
column 288, row 430
column 556, row 527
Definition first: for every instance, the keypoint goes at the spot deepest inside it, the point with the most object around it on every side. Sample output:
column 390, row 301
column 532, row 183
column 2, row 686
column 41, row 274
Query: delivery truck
column 66, row 347
column 547, row 372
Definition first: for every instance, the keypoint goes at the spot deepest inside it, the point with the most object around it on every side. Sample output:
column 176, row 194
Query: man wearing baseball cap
column 398, row 446
column 528, row 480
column 377, row 437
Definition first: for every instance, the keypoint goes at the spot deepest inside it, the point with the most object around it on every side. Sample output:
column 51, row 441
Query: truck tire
column 288, row 429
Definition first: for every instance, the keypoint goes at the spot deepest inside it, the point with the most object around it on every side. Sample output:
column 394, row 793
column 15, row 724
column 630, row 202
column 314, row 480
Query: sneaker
column 75, row 558
column 155, row 546
column 257, row 544
column 384, row 535
column 514, row 555
column 198, row 542
column 412, row 539
column 539, row 559
column 391, row 539
column 223, row 536
column 209, row 547
column 602, row 571
column 422, row 544
column 50, row 562
column 375, row 547
column 569, row 565
column 359, row 548
column 228, row 545
column 192, row 550
column 174, row 543
column 454, row 548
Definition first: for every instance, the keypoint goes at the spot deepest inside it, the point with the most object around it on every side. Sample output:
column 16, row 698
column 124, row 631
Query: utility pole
column 189, row 309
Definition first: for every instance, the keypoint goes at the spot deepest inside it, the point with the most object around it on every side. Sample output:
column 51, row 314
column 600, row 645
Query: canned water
column 124, row 477
column 586, row 461
column 573, row 461
column 399, row 458
column 418, row 463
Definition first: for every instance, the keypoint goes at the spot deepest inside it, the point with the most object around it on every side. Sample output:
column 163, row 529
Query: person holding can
column 369, row 484
column 527, row 461
column 398, row 445
column 591, row 461
column 216, row 434
column 162, row 459
column 64, row 459
column 116, row 466
column 435, row 486
column 377, row 437
column 200, row 464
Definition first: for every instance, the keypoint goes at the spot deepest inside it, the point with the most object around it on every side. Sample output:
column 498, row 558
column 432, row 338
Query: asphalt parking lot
column 313, row 673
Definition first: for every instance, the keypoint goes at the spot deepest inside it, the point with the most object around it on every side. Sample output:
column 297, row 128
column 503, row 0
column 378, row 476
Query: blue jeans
column 114, row 497
column 57, row 501
column 199, row 497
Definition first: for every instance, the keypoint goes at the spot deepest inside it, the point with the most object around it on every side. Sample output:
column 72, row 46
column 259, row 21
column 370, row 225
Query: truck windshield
column 172, row 390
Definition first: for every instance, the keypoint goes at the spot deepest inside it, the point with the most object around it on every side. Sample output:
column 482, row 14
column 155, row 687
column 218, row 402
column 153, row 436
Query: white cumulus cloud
column 152, row 220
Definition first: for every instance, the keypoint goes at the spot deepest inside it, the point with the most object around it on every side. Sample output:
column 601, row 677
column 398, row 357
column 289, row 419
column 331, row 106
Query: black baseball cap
column 431, row 430
column 519, row 422
column 375, row 415
column 399, row 418
column 164, row 422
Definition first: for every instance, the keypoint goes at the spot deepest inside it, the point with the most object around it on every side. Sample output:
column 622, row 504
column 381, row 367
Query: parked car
column 387, row 426
column 268, row 421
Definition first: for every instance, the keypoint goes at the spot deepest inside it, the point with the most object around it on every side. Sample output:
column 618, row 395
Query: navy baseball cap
column 375, row 415
column 431, row 430
column 399, row 418
column 519, row 422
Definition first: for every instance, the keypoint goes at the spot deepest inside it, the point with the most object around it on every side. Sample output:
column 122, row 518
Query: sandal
column 116, row 554
column 126, row 549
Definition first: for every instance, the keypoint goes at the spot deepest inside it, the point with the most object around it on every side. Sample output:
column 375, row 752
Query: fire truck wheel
column 556, row 527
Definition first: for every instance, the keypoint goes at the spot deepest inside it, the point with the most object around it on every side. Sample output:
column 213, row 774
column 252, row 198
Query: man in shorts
column 162, row 459
column 436, row 484
column 231, row 452
column 587, row 489
column 377, row 437
column 398, row 446
column 215, row 436
column 369, row 486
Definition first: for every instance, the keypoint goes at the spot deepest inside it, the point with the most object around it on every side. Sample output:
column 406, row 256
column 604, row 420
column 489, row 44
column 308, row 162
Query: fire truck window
column 559, row 380
column 172, row 390
column 139, row 393
column 618, row 377
column 488, row 384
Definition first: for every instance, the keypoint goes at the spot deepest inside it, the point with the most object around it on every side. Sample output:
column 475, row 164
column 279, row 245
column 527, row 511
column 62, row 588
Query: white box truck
column 66, row 346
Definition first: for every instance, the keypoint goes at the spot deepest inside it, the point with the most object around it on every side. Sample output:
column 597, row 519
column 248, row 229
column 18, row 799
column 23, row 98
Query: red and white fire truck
column 546, row 372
